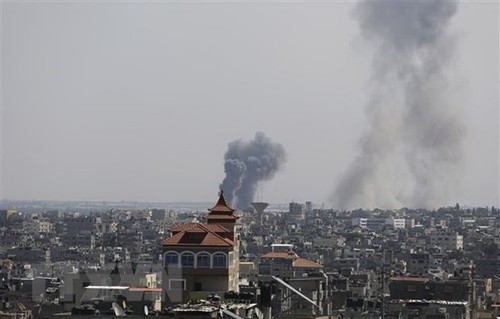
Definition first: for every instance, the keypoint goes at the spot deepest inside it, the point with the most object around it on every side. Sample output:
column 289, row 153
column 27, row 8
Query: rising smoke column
column 246, row 164
column 414, row 132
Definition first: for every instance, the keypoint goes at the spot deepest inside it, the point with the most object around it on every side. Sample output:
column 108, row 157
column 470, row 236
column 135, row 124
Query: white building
column 378, row 223
column 399, row 223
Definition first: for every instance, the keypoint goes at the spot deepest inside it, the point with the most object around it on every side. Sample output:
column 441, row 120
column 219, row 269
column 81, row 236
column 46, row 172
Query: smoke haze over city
column 248, row 163
column 129, row 101
column 411, row 152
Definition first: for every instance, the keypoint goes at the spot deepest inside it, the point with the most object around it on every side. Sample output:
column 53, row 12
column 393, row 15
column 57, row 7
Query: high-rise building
column 296, row 210
column 309, row 208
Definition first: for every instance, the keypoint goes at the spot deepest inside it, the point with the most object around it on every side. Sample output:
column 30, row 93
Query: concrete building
column 308, row 208
column 5, row 215
column 379, row 223
column 446, row 239
column 283, row 262
column 417, row 294
column 45, row 227
column 418, row 264
column 158, row 214
column 296, row 210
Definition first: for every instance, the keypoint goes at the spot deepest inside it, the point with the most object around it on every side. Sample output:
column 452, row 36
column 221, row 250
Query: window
column 197, row 286
column 220, row 260
column 177, row 284
column 203, row 260
column 231, row 259
column 187, row 260
column 411, row 288
column 171, row 258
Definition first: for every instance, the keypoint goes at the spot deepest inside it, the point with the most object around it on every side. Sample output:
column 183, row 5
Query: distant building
column 298, row 283
column 296, row 210
column 446, row 240
column 5, row 215
column 283, row 262
column 158, row 214
column 418, row 288
column 379, row 223
column 308, row 208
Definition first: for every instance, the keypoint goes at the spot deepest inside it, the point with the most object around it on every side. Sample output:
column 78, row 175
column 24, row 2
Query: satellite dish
column 119, row 312
column 146, row 310
column 259, row 313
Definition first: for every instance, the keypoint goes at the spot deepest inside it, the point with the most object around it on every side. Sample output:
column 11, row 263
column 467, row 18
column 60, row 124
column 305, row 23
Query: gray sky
column 138, row 101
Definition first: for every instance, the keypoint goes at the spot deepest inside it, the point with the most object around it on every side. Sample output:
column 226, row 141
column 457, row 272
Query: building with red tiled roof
column 291, row 272
column 203, row 257
column 283, row 262
column 305, row 264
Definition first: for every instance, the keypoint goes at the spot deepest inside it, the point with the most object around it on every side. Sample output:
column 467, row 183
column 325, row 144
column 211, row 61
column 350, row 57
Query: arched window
column 171, row 258
column 187, row 259
column 203, row 260
column 220, row 260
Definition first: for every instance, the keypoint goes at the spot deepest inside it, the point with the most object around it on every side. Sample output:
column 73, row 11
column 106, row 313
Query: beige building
column 202, row 259
column 37, row 226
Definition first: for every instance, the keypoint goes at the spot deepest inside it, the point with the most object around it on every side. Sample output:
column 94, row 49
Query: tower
column 223, row 215
column 259, row 208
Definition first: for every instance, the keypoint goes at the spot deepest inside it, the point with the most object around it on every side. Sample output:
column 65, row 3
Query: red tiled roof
column 197, row 234
column 305, row 263
column 193, row 227
column 297, row 262
column 221, row 212
column 212, row 234
column 173, row 240
column 221, row 206
column 212, row 239
column 221, row 217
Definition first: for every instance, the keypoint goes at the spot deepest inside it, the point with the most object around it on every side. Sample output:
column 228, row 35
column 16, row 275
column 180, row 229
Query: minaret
column 223, row 215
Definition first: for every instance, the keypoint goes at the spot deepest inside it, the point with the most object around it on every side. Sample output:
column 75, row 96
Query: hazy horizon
column 130, row 101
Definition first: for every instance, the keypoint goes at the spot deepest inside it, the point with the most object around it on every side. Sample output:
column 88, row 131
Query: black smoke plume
column 411, row 151
column 248, row 163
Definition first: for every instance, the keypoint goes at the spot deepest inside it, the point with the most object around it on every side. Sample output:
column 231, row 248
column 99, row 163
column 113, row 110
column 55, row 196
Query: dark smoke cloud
column 414, row 132
column 247, row 163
